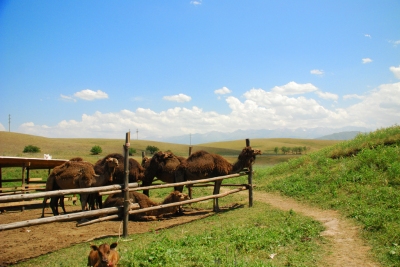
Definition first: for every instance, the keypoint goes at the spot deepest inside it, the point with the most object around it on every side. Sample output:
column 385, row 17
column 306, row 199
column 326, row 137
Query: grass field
column 359, row 178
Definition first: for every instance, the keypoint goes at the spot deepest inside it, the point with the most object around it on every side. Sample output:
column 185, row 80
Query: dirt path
column 348, row 248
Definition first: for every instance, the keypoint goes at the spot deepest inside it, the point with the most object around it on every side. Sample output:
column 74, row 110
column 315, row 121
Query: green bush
column 96, row 150
column 132, row 151
column 152, row 149
column 31, row 149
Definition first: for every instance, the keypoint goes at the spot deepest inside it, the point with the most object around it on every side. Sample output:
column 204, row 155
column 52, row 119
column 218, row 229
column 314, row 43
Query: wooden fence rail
column 126, row 210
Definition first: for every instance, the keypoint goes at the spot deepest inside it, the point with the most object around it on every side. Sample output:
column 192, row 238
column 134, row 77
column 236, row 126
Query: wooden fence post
column 250, row 179
column 126, row 186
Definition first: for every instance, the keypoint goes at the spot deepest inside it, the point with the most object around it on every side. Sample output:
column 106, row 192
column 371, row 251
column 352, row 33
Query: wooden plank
column 21, row 203
column 35, row 179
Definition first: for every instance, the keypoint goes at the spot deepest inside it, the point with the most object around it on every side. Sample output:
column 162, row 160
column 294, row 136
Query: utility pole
column 9, row 122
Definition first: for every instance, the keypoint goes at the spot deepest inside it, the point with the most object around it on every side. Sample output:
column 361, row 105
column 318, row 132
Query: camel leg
column 44, row 205
column 217, row 187
column 54, row 205
column 62, row 204
column 84, row 200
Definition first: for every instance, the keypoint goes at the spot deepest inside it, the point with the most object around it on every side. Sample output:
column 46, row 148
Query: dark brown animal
column 136, row 171
column 58, row 199
column 80, row 174
column 116, row 200
column 202, row 165
column 162, row 165
column 103, row 256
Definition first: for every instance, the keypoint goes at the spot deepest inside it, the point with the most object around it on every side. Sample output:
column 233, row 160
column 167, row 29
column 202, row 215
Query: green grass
column 360, row 178
column 240, row 237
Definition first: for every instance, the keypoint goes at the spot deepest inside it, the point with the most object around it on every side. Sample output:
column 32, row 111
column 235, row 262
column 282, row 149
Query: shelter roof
column 32, row 163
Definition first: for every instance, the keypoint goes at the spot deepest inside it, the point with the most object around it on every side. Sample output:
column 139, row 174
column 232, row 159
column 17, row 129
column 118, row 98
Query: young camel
column 79, row 174
column 117, row 199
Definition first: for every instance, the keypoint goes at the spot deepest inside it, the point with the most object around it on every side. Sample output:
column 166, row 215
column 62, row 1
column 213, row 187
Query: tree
column 96, row 150
column 276, row 150
column 31, row 149
column 152, row 149
column 132, row 151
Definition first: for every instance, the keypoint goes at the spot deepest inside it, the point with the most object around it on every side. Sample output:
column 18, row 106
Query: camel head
column 112, row 164
column 248, row 156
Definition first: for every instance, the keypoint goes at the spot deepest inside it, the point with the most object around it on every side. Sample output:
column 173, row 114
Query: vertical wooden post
column 250, row 179
column 1, row 180
column 126, row 186
column 189, row 187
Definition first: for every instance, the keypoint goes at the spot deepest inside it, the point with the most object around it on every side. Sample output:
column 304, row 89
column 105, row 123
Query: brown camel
column 117, row 199
column 136, row 171
column 202, row 165
column 79, row 174
column 162, row 165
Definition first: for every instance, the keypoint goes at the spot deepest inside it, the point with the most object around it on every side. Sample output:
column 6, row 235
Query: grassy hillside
column 360, row 178
column 12, row 144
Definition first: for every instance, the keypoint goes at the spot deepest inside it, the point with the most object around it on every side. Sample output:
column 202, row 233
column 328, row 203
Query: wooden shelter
column 26, row 164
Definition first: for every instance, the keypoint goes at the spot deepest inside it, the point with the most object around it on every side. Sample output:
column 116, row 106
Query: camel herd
column 167, row 167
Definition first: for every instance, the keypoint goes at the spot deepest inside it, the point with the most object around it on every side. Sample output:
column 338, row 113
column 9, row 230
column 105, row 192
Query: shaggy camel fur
column 103, row 256
column 202, row 165
column 79, row 174
column 57, row 199
column 162, row 165
column 117, row 199
column 136, row 171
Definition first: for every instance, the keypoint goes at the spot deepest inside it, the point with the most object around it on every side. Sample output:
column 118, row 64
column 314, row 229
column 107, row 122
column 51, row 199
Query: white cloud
column 257, row 109
column 178, row 98
column 222, row 91
column 396, row 71
column 395, row 43
column 345, row 97
column 367, row 35
column 196, row 3
column 2, row 127
column 326, row 95
column 317, row 72
column 67, row 98
column 294, row 88
column 366, row 60
column 90, row 95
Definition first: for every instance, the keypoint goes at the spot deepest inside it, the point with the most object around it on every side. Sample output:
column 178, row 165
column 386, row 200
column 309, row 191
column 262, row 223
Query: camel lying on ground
column 116, row 200
column 202, row 165
column 79, row 174
column 103, row 256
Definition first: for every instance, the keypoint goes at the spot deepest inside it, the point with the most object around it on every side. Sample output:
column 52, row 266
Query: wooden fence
column 128, row 208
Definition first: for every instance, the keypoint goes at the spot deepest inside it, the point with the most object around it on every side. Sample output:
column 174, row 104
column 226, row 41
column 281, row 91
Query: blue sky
column 168, row 68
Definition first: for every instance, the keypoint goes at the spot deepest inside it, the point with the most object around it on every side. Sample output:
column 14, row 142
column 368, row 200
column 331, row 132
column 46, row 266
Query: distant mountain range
column 344, row 133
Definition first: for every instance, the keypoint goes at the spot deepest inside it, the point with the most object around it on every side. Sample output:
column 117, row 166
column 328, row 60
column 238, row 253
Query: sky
column 98, row 69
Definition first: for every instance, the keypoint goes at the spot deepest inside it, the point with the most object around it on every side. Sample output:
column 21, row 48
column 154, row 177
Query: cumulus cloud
column 317, row 72
column 196, row 3
column 2, row 127
column 367, row 35
column 67, row 98
column 351, row 96
column 366, row 60
column 396, row 71
column 327, row 96
column 395, row 43
column 90, row 95
column 222, row 91
column 287, row 106
column 294, row 88
column 178, row 98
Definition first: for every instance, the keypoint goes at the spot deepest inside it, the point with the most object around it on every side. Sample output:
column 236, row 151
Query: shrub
column 31, row 149
column 152, row 149
column 96, row 150
column 132, row 151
